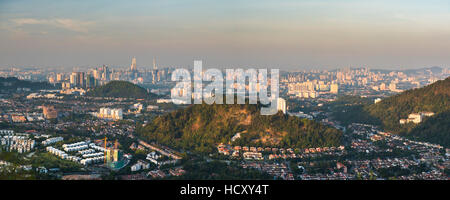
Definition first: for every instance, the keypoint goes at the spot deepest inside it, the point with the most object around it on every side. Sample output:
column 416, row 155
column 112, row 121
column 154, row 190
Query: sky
column 309, row 34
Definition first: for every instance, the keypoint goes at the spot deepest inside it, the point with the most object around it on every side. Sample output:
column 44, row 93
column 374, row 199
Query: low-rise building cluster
column 140, row 165
column 80, row 152
column 62, row 154
column 270, row 153
column 75, row 146
column 278, row 170
column 112, row 114
column 17, row 143
column 52, row 140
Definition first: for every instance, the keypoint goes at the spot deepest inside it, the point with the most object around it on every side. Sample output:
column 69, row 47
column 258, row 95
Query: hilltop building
column 416, row 117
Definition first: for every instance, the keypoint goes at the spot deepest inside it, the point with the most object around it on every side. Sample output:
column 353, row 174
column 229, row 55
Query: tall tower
column 73, row 79
column 80, row 79
column 154, row 64
column 133, row 64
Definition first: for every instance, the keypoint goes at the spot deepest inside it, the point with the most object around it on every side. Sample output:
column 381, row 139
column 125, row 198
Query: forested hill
column 123, row 89
column 12, row 83
column 435, row 129
column 199, row 128
column 434, row 98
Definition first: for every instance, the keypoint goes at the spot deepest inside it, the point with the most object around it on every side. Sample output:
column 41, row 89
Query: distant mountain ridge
column 434, row 70
column 120, row 89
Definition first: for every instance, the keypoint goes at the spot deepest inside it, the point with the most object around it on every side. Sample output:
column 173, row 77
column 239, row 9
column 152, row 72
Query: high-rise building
column 96, row 73
column 59, row 77
column 65, row 85
column 77, row 79
column 108, row 155
column 90, row 81
column 116, row 155
column 133, row 64
column 334, row 88
column 105, row 73
column 383, row 86
column 393, row 87
column 73, row 78
column 81, row 79
column 51, row 79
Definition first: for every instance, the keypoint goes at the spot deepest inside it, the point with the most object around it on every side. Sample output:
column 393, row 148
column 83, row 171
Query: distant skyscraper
column 73, row 79
column 90, row 81
column 59, row 77
column 154, row 64
column 51, row 79
column 65, row 85
column 334, row 88
column 78, row 79
column 81, row 79
column 133, row 64
column 383, row 86
column 393, row 87
column 105, row 73
column 96, row 74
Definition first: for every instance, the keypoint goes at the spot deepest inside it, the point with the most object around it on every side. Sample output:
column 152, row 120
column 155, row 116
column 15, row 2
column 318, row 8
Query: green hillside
column 123, row 89
column 387, row 113
column 352, row 109
column 435, row 129
column 434, row 98
column 200, row 127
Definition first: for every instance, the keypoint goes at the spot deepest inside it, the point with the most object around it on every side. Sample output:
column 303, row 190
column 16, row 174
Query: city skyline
column 151, row 66
column 289, row 35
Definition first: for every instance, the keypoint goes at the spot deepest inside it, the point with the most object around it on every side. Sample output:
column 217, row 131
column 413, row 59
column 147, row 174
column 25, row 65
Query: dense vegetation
column 200, row 127
column 387, row 113
column 352, row 109
column 434, row 98
column 16, row 173
column 51, row 161
column 120, row 89
column 11, row 84
column 40, row 159
column 435, row 129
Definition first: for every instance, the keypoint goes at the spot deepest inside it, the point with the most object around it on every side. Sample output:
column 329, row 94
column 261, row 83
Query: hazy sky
column 260, row 33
